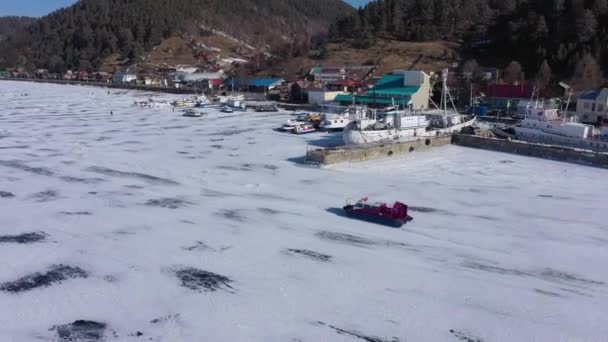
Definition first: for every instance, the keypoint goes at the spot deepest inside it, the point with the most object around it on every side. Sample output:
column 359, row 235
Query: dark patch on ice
column 228, row 168
column 218, row 147
column 56, row 274
column 216, row 140
column 232, row 214
column 464, row 336
column 167, row 318
column 116, row 173
column 77, row 213
column 19, row 147
column 81, row 331
column 103, row 138
column 45, row 196
column 135, row 187
column 23, row 238
column 269, row 211
column 559, row 276
column 270, row 167
column 547, row 274
column 229, row 132
column 215, row 193
column 169, row 203
column 554, row 197
column 6, row 194
column 198, row 246
column 19, row 165
column 428, row 210
column 357, row 334
column 345, row 238
column 487, row 218
column 71, row 179
column 309, row 254
column 507, row 162
column 548, row 293
column 203, row 281
column 494, row 269
column 175, row 127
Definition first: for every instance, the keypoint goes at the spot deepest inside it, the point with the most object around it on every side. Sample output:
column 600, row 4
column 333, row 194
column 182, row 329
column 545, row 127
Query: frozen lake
column 150, row 226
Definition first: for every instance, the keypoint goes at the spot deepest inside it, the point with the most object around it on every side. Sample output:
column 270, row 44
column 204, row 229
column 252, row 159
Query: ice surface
column 208, row 229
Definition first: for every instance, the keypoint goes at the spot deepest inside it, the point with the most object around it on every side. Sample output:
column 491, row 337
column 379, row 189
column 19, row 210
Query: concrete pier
column 343, row 154
column 559, row 153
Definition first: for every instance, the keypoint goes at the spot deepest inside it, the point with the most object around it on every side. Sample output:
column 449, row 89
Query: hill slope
column 569, row 36
column 10, row 25
column 83, row 35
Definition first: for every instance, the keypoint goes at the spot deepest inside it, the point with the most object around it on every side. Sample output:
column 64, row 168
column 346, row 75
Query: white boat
column 226, row 109
column 304, row 128
column 290, row 125
column 152, row 104
column 545, row 126
column 337, row 122
column 192, row 113
column 406, row 125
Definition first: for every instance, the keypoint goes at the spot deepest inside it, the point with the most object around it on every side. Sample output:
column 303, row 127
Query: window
column 587, row 105
column 593, row 107
column 600, row 107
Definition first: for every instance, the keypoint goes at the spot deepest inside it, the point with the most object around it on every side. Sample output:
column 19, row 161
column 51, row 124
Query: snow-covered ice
column 147, row 225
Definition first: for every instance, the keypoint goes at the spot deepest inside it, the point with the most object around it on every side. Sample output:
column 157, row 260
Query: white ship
column 407, row 125
column 542, row 125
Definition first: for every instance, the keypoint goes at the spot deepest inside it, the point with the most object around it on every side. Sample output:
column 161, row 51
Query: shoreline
column 189, row 91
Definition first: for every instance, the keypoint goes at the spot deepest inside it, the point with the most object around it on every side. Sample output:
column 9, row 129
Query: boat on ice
column 226, row 109
column 304, row 128
column 380, row 213
column 302, row 119
column 191, row 113
column 394, row 125
column 337, row 122
column 546, row 126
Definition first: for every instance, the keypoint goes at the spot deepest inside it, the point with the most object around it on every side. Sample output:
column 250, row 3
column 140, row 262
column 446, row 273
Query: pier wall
column 558, row 153
column 362, row 153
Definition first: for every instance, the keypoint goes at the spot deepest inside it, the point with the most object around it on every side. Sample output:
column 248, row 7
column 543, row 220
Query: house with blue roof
column 401, row 87
column 262, row 84
column 592, row 106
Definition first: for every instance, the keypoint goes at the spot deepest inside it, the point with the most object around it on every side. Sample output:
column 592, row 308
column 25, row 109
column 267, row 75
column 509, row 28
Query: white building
column 122, row 77
column 592, row 106
column 322, row 96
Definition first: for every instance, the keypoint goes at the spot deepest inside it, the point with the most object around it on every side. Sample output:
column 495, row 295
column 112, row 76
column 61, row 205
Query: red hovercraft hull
column 395, row 216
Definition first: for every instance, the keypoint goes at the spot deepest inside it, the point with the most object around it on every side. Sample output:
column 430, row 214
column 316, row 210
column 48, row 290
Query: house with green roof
column 400, row 87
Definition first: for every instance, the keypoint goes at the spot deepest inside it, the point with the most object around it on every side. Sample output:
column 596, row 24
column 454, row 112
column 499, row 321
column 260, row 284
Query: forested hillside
column 10, row 25
column 570, row 35
column 83, row 35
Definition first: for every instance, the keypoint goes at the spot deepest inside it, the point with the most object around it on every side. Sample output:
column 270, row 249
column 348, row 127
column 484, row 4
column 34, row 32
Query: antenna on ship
column 568, row 92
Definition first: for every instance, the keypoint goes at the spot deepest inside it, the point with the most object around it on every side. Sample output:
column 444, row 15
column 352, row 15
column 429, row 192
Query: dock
column 342, row 154
column 553, row 152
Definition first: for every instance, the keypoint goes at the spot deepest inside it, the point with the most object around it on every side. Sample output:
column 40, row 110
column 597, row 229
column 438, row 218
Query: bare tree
column 587, row 73
column 513, row 72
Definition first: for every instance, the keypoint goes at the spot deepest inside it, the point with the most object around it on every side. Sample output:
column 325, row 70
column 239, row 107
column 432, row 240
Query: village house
column 263, row 84
column 592, row 106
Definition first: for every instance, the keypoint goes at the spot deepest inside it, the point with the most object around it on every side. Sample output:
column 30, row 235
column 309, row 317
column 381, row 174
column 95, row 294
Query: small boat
column 291, row 125
column 380, row 213
column 304, row 128
column 226, row 109
column 191, row 113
